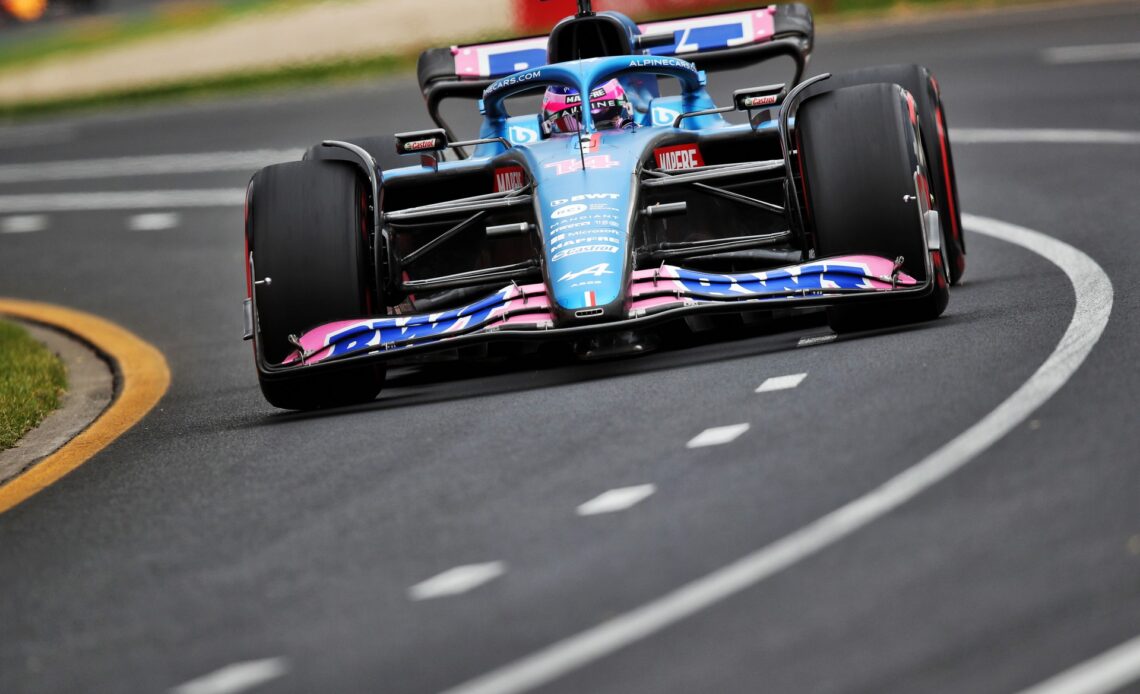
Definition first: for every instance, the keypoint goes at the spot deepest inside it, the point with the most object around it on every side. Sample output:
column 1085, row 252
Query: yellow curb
column 143, row 380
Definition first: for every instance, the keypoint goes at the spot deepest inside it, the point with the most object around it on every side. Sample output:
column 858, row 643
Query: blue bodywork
column 585, row 185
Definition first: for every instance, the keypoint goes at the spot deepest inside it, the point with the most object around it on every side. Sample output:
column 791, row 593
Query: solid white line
column 153, row 221
column 1107, row 672
column 237, row 677
column 458, row 580
column 152, row 165
column 618, row 499
column 817, row 340
column 1099, row 53
column 134, row 200
column 781, row 383
column 715, row 436
column 1048, row 136
column 1093, row 306
column 23, row 224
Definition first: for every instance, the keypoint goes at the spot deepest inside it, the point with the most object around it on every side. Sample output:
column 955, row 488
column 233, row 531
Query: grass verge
column 827, row 13
column 236, row 83
column 98, row 32
column 32, row 381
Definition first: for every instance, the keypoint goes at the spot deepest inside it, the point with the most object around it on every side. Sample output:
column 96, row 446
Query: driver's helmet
column 562, row 106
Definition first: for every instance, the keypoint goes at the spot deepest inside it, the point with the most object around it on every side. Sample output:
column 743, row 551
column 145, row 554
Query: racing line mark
column 23, row 224
column 716, row 436
column 618, row 499
column 1108, row 672
column 1048, row 136
column 457, row 580
column 1099, row 53
column 133, row 200
column 237, row 677
column 1094, row 296
column 781, row 383
column 153, row 221
column 817, row 340
column 147, row 165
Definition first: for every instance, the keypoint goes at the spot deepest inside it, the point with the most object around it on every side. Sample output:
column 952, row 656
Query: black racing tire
column 381, row 147
column 919, row 81
column 860, row 150
column 307, row 230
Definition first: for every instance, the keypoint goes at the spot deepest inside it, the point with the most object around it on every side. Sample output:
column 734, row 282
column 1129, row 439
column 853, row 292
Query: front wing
column 664, row 292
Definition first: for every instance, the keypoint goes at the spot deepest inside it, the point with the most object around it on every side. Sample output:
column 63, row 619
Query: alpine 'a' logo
column 595, row 270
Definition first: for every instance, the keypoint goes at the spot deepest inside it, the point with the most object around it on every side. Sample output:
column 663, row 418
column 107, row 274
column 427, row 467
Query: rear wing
column 720, row 41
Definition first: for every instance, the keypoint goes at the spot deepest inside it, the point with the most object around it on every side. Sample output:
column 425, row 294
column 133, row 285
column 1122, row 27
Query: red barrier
column 537, row 16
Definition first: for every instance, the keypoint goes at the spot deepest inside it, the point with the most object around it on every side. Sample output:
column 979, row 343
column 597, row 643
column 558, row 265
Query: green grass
column 368, row 67
column 237, row 83
column 32, row 380
column 89, row 34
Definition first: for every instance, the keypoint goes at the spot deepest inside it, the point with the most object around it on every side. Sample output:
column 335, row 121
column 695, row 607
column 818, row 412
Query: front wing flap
column 525, row 309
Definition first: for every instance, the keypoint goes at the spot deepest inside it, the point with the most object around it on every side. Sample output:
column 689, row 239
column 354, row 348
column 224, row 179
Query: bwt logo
column 521, row 136
column 664, row 116
column 586, row 196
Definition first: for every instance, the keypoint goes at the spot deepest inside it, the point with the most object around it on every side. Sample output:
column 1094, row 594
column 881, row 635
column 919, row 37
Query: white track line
column 153, row 221
column 23, row 224
column 134, row 200
column 458, row 580
column 1093, row 292
column 1108, row 672
column 618, row 499
column 1100, row 53
column 1049, row 136
column 237, row 677
column 817, row 340
column 716, row 436
column 781, row 383
column 153, row 165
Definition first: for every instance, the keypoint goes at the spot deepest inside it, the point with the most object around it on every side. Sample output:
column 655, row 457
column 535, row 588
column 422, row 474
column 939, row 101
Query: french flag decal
column 591, row 299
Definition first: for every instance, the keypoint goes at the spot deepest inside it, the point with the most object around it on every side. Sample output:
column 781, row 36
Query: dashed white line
column 1094, row 297
column 1046, row 136
column 817, row 340
column 237, row 677
column 458, row 580
column 1098, row 53
column 716, row 436
column 1107, row 672
column 150, row 165
column 781, row 383
column 23, row 224
column 618, row 499
column 153, row 221
column 135, row 200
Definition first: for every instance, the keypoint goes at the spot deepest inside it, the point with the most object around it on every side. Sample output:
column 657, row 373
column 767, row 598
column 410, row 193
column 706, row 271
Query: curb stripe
column 143, row 379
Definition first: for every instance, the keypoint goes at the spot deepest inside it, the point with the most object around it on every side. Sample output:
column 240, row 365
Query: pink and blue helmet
column 562, row 108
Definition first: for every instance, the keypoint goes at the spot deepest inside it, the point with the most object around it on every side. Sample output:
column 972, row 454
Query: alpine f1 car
column 618, row 211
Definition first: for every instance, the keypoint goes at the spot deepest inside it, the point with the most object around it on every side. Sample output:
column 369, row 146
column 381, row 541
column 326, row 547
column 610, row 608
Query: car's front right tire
column 307, row 231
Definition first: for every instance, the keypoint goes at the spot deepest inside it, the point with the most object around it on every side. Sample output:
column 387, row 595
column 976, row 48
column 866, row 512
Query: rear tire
column 919, row 81
column 860, row 150
column 308, row 233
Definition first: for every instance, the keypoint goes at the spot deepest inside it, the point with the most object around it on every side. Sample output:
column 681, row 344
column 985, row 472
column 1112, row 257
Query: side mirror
column 421, row 142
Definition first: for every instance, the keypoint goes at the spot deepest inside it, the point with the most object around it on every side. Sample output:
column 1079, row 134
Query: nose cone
column 585, row 214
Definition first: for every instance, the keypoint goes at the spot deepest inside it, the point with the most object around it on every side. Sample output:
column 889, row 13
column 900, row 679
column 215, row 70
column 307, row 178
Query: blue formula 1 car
column 612, row 214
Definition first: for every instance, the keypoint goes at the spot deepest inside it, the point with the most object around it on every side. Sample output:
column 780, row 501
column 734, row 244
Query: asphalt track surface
column 220, row 531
